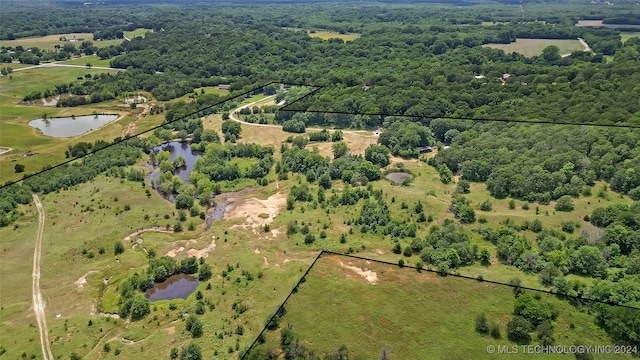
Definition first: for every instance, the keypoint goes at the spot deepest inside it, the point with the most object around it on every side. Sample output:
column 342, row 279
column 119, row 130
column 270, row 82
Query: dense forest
column 420, row 73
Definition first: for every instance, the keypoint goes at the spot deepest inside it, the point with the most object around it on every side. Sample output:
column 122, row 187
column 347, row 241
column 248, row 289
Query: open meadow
column 23, row 139
column 49, row 42
column 409, row 314
column 534, row 47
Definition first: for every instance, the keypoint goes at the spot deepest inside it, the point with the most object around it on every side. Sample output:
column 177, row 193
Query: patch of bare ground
column 146, row 229
column 369, row 275
column 256, row 212
column 83, row 279
column 198, row 253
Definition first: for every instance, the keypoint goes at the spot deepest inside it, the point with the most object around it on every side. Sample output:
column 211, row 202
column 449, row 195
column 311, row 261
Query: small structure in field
column 424, row 149
column 224, row 86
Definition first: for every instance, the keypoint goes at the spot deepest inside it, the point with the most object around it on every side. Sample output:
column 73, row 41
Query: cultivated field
column 534, row 47
column 410, row 314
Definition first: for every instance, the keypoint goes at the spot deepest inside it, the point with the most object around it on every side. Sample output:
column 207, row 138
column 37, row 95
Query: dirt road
column 38, row 302
column 232, row 116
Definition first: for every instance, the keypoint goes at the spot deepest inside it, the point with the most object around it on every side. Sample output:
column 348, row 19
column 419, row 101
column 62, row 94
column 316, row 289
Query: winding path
column 38, row 302
column 232, row 116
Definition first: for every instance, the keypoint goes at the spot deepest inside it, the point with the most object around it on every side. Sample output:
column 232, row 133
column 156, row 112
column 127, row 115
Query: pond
column 399, row 177
column 176, row 149
column 178, row 286
column 65, row 127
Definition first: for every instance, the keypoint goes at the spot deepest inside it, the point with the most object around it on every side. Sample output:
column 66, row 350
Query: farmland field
column 534, row 47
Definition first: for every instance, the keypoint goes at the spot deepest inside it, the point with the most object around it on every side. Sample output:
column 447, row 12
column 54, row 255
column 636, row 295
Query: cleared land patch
column 534, row 47
column 410, row 314
column 50, row 41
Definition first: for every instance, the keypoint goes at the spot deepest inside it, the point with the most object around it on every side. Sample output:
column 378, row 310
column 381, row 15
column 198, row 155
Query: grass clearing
column 627, row 35
column 534, row 47
column 94, row 60
column 50, row 41
column 22, row 138
column 326, row 35
column 402, row 313
column 137, row 32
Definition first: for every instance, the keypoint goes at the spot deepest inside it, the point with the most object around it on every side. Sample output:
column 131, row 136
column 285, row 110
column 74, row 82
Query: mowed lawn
column 534, row 47
column 410, row 314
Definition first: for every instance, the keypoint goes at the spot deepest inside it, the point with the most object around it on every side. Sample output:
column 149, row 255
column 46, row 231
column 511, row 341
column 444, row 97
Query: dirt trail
column 38, row 302
column 232, row 116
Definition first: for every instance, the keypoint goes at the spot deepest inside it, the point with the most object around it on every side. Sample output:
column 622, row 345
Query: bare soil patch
column 398, row 177
column 257, row 212
column 83, row 279
column 369, row 275
column 198, row 253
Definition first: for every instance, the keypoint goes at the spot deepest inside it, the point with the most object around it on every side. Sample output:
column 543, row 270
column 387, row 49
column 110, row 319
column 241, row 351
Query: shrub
column 407, row 251
column 494, row 330
column 486, row 205
column 565, row 203
column 118, row 248
column 482, row 324
column 518, row 330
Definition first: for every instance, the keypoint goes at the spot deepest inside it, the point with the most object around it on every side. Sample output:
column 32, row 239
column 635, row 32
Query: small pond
column 399, row 177
column 64, row 127
column 176, row 149
column 178, row 286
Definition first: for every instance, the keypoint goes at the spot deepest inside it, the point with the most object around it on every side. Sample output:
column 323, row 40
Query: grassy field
column 137, row 32
column 627, row 35
column 91, row 59
column 326, row 35
column 534, row 47
column 18, row 135
column 410, row 315
column 50, row 41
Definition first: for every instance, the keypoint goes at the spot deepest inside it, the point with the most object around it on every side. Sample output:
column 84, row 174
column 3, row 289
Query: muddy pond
column 178, row 286
column 64, row 127
column 399, row 177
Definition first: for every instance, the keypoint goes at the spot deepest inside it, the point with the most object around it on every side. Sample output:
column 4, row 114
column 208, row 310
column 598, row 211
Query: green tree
column 377, row 155
column 518, row 330
column 482, row 324
column 565, row 203
column 551, row 53
column 191, row 352
column 19, row 168
column 118, row 248
column 339, row 149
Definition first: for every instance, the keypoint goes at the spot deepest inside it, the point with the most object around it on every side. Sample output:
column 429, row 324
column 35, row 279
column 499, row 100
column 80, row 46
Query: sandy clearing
column 171, row 330
column 83, row 279
column 251, row 209
column 198, row 253
column 38, row 301
column 257, row 251
column 369, row 275
column 264, row 258
column 154, row 228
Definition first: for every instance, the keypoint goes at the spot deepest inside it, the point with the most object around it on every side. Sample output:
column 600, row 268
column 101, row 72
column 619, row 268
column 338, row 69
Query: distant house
column 223, row 87
column 424, row 149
